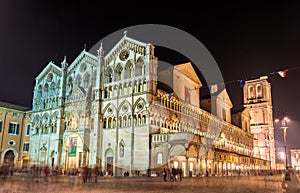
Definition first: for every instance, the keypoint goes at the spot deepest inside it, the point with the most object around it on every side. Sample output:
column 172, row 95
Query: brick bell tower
column 258, row 98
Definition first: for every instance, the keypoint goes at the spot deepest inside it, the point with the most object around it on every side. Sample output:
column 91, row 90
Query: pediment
column 51, row 67
column 188, row 70
column 83, row 57
column 223, row 96
column 126, row 43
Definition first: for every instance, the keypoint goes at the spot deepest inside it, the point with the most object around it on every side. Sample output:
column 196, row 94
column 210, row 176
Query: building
column 295, row 160
column 14, row 134
column 258, row 98
column 119, row 112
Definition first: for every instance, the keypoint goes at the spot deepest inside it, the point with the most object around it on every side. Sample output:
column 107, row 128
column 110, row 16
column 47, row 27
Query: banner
column 72, row 147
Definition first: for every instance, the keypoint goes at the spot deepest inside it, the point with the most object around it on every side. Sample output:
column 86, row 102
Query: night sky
column 247, row 41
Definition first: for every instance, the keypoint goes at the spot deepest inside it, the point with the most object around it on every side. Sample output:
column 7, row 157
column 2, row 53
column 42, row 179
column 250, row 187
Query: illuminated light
column 282, row 155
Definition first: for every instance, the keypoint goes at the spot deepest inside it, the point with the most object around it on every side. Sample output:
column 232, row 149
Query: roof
column 188, row 70
column 13, row 106
column 234, row 111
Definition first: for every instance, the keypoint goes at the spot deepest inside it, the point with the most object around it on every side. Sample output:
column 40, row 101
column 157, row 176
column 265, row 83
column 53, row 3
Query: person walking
column 174, row 174
column 95, row 173
column 180, row 174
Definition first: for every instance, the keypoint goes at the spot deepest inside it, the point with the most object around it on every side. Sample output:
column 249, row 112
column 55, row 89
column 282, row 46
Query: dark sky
column 246, row 40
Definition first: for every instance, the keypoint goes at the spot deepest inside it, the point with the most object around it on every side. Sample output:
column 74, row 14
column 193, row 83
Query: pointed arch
column 124, row 107
column 139, row 67
column 118, row 72
column 128, row 69
column 78, row 80
column 139, row 105
column 109, row 74
column 86, row 80
column 107, row 110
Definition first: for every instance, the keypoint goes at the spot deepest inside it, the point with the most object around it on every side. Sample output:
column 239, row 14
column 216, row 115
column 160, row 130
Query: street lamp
column 284, row 128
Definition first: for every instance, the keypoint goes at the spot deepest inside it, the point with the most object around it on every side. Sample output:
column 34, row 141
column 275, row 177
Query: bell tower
column 258, row 98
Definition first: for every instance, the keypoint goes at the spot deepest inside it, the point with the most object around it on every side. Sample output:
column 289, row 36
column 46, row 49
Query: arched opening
column 109, row 161
column 9, row 157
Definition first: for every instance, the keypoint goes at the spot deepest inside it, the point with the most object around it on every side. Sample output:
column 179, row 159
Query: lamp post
column 284, row 128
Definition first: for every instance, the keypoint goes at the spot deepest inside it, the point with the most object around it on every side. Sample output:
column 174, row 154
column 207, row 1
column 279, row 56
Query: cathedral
column 113, row 110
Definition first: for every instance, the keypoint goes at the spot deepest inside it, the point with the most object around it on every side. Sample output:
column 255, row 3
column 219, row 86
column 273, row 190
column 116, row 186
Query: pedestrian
column 174, row 174
column 180, row 174
column 165, row 174
column 46, row 172
column 95, row 173
column 85, row 171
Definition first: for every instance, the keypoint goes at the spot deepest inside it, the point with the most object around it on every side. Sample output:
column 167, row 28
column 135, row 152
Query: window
column 250, row 92
column 28, row 129
column 13, row 128
column 26, row 146
column 0, row 126
column 11, row 143
column 159, row 158
column 224, row 114
column 258, row 91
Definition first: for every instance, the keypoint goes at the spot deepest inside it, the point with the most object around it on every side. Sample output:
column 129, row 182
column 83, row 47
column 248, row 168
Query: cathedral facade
column 112, row 111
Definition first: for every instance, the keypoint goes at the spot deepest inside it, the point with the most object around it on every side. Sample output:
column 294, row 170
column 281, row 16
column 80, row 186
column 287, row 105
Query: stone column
column 187, row 166
column 197, row 166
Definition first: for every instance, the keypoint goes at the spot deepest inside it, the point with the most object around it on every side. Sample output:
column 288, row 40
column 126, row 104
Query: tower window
column 250, row 92
column 258, row 91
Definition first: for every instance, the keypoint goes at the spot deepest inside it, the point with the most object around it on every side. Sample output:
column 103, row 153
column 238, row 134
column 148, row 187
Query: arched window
column 139, row 67
column 159, row 158
column 109, row 74
column 250, row 92
column 118, row 72
column 258, row 91
column 128, row 70
column 78, row 80
column 86, row 80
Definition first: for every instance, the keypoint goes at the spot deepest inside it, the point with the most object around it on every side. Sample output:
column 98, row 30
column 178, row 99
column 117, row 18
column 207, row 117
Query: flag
column 213, row 88
column 282, row 73
column 187, row 95
column 242, row 83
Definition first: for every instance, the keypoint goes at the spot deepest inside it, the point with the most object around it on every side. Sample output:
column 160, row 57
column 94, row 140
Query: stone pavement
column 212, row 184
column 291, row 186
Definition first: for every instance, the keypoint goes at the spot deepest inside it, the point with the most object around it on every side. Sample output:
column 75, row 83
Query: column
column 197, row 166
column 187, row 166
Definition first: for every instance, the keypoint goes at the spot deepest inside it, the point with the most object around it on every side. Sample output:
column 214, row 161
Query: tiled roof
column 13, row 106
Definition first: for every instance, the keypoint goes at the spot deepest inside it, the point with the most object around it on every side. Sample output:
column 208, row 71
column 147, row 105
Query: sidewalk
column 291, row 186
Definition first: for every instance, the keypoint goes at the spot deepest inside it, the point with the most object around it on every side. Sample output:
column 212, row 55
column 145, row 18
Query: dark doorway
column 9, row 157
column 109, row 165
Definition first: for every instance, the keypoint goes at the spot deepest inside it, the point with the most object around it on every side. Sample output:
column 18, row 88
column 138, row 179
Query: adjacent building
column 15, row 122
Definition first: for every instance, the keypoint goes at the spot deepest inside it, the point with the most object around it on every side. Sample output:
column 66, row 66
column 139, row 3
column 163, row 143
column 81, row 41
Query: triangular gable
column 121, row 44
column 51, row 67
column 246, row 111
column 82, row 55
column 224, row 94
column 188, row 70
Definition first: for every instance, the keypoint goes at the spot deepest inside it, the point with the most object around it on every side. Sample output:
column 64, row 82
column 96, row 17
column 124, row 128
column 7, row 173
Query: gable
column 188, row 70
column 51, row 67
column 223, row 96
column 82, row 57
column 126, row 43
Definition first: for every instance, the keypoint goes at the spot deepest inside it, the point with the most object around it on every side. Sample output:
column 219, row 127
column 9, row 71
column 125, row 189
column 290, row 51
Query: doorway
column 109, row 165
